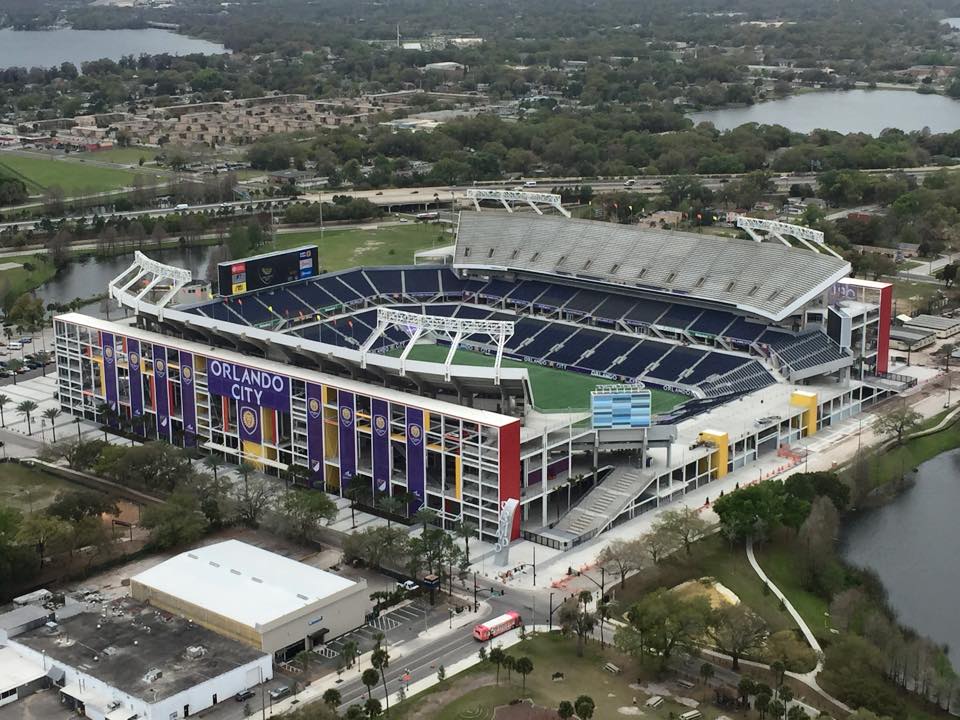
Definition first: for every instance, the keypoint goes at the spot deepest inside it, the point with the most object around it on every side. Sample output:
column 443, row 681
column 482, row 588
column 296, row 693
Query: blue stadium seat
column 386, row 282
column 645, row 312
column 711, row 322
column 676, row 362
column 614, row 308
column 679, row 316
column 744, row 331
column 585, row 301
column 423, row 282
column 641, row 357
column 609, row 349
column 496, row 289
column 715, row 364
column 524, row 328
column 555, row 296
column 551, row 335
column 526, row 292
column 575, row 346
column 358, row 281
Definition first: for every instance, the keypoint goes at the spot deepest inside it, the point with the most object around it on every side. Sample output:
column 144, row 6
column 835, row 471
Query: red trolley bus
column 497, row 626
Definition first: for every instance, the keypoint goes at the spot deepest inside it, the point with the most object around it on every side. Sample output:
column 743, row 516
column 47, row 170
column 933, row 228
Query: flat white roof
column 16, row 670
column 242, row 582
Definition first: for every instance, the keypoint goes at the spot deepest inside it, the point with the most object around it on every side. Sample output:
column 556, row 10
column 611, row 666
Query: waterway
column 89, row 276
column 913, row 544
column 48, row 48
column 846, row 111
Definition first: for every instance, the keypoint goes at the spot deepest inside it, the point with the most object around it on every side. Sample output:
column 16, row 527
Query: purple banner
column 553, row 469
column 381, row 445
column 136, row 378
column 256, row 388
column 161, row 393
column 188, row 402
column 109, row 372
column 416, row 457
column 315, row 434
column 348, row 439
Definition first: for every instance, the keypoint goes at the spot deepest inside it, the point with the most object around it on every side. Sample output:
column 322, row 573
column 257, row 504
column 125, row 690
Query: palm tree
column 370, row 678
column 13, row 366
column 52, row 414
column 214, row 462
column 466, row 530
column 26, row 408
column 349, row 651
column 497, row 656
column 43, row 357
column 425, row 516
column 509, row 662
column 331, row 698
column 4, row 399
column 391, row 506
column 524, row 666
column 380, row 660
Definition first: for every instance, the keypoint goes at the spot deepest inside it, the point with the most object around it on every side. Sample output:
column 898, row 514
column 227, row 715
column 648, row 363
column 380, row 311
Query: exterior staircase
column 604, row 503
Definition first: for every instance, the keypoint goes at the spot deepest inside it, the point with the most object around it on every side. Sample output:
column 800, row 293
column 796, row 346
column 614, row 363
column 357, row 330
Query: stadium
column 543, row 376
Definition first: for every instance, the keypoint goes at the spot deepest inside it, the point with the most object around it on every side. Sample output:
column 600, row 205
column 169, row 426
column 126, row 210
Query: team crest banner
column 188, row 399
column 249, row 422
column 416, row 457
column 315, row 433
column 109, row 372
column 346, row 412
column 161, row 377
column 135, row 369
column 380, row 427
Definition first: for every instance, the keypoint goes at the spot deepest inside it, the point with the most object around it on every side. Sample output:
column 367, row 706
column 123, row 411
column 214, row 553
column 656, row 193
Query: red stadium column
column 883, row 331
column 510, row 469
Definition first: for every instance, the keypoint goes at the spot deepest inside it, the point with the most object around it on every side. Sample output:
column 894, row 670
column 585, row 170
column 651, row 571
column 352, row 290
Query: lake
column 83, row 279
column 47, row 48
column 913, row 544
column 846, row 111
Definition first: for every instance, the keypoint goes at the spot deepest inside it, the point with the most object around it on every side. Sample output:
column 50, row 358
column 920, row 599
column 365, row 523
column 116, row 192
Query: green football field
column 553, row 390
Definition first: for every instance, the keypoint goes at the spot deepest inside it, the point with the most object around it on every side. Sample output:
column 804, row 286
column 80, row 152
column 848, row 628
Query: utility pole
column 476, row 605
column 550, row 616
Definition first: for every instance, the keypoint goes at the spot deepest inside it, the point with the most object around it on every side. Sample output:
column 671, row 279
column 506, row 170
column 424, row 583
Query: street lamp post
column 77, row 421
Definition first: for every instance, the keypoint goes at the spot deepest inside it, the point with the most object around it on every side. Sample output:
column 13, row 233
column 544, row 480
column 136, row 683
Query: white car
column 408, row 585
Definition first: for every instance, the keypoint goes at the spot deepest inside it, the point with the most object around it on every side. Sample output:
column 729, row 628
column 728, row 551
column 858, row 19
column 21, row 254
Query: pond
column 48, row 48
column 846, row 111
column 913, row 544
column 90, row 276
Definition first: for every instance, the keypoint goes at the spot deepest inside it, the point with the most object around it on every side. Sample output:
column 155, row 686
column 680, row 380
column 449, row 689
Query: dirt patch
column 525, row 710
column 435, row 702
column 716, row 593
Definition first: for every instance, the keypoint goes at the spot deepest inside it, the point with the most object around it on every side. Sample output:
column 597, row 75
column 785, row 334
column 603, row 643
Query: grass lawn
column 473, row 695
column 124, row 155
column 780, row 563
column 341, row 249
column 27, row 489
column 894, row 463
column 75, row 178
column 913, row 295
column 712, row 557
column 553, row 390
column 36, row 271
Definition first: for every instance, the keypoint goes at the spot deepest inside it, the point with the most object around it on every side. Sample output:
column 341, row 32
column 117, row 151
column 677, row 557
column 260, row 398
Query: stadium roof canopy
column 766, row 279
column 242, row 582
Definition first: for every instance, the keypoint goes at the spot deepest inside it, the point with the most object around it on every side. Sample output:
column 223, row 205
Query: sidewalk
column 398, row 651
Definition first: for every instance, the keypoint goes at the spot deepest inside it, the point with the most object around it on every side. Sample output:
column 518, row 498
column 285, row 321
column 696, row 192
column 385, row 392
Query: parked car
column 243, row 695
column 280, row 692
column 408, row 585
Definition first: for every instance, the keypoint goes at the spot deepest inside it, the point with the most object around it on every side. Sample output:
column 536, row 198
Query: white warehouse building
column 265, row 600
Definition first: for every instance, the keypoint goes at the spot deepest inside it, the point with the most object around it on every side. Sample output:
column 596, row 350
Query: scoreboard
column 263, row 271
column 620, row 407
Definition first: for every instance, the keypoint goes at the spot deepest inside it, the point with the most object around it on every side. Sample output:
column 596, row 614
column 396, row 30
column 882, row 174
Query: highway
column 427, row 198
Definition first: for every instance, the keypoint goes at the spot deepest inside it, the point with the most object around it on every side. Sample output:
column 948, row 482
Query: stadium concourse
column 441, row 384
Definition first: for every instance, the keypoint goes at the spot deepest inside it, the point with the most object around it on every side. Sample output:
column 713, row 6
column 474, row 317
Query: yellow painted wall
column 251, row 450
column 808, row 401
column 721, row 455
column 457, row 479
